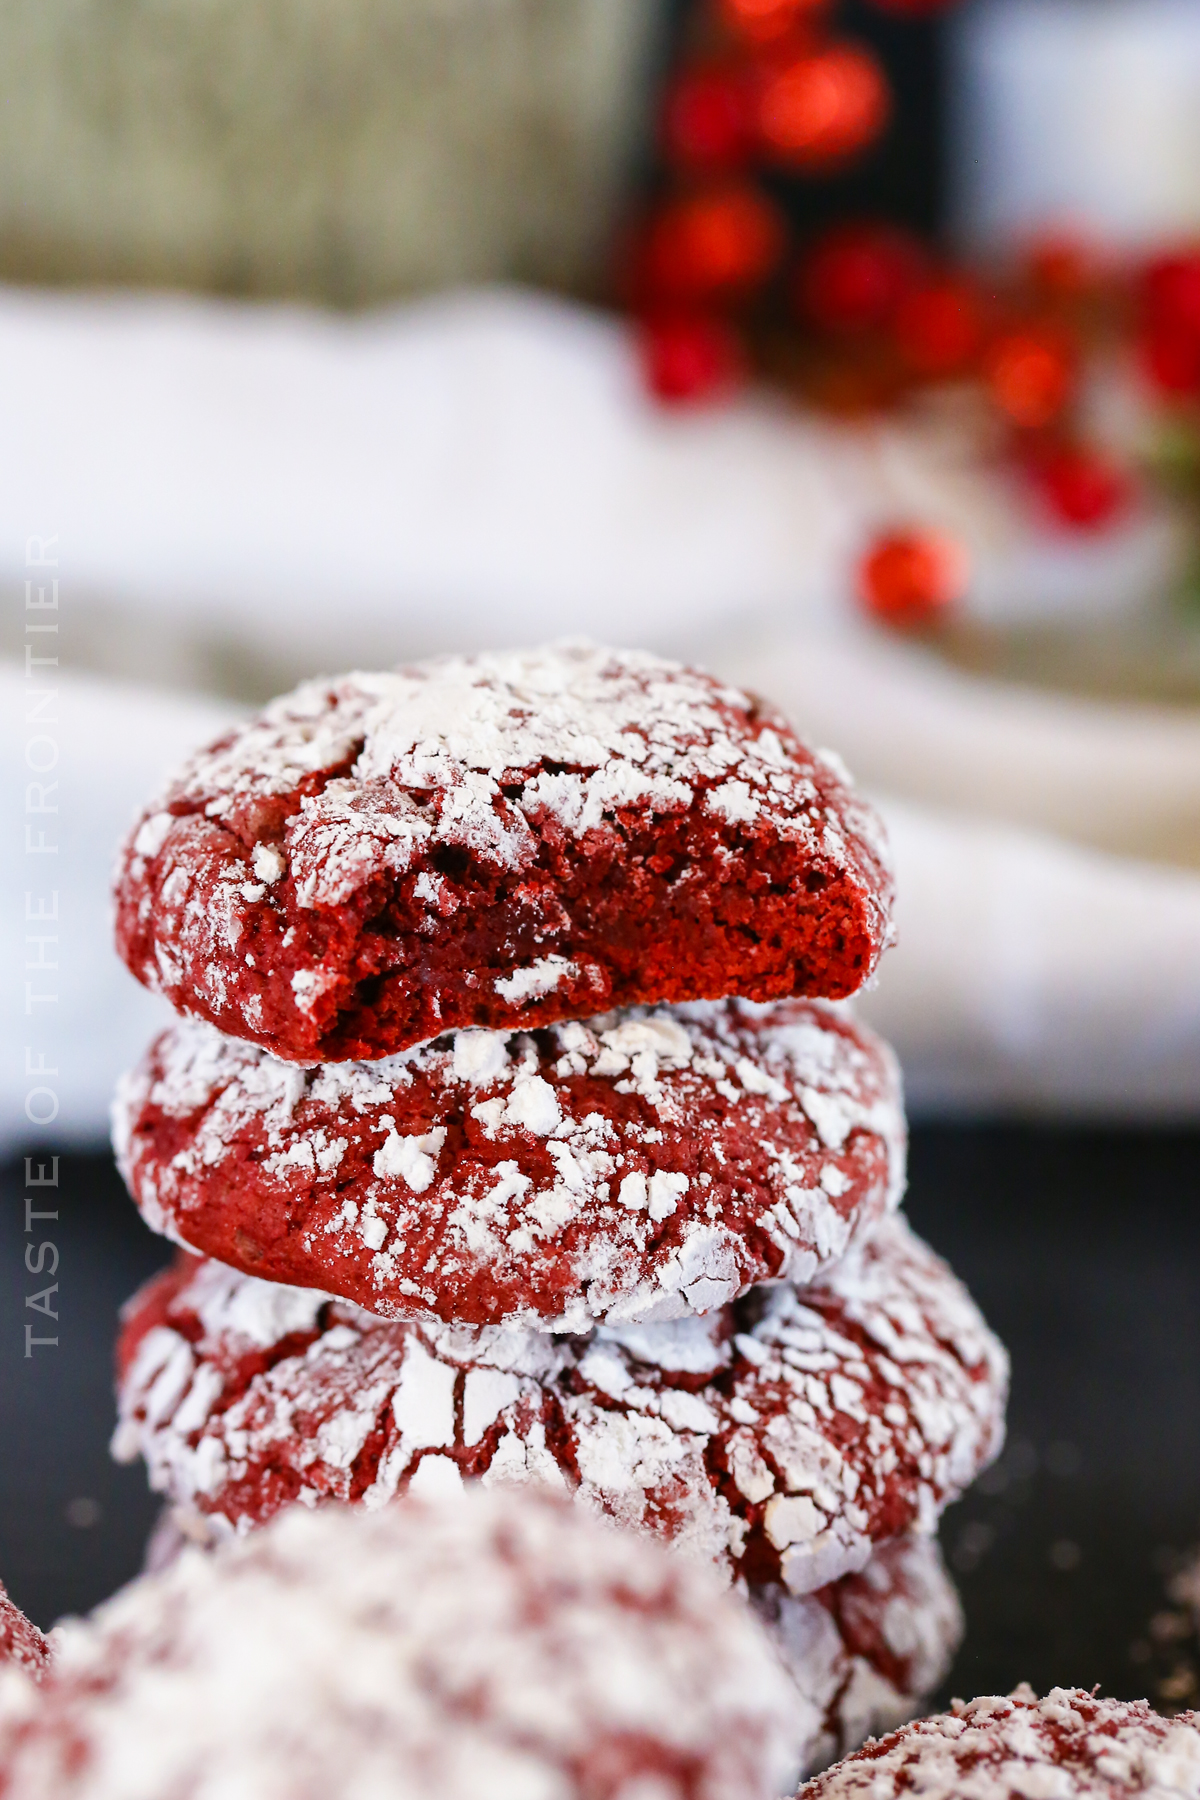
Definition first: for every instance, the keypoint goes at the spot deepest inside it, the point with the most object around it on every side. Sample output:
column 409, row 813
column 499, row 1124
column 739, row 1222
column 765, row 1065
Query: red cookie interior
column 499, row 841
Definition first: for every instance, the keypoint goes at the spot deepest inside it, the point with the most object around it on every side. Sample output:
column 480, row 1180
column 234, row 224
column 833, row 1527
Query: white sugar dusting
column 622, row 729
column 269, row 864
column 541, row 977
column 460, row 1645
column 903, row 1597
column 648, row 1239
column 23, row 1649
column 494, row 755
column 886, row 1375
column 152, row 834
column 1068, row 1743
column 412, row 1160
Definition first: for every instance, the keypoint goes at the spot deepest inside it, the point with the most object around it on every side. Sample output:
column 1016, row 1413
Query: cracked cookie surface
column 643, row 1165
column 502, row 841
column 782, row 1437
column 1011, row 1747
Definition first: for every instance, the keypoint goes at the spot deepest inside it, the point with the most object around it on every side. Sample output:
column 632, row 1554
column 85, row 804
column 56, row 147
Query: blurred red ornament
column 939, row 327
column 707, row 119
column 1171, row 292
column 690, row 358
column 1171, row 360
column 1031, row 375
column 718, row 245
column 1062, row 265
column 909, row 579
column 762, row 21
column 855, row 276
column 823, row 106
column 1082, row 488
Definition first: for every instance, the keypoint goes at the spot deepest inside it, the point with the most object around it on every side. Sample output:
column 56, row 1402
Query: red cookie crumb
column 504, row 841
column 644, row 1165
column 1069, row 1744
column 781, row 1437
column 504, row 1644
column 21, row 1643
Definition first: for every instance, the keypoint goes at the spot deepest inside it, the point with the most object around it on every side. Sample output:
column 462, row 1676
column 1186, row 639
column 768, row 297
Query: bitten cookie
column 505, row 841
column 781, row 1437
column 504, row 1645
column 21, row 1643
column 1069, row 1744
column 643, row 1165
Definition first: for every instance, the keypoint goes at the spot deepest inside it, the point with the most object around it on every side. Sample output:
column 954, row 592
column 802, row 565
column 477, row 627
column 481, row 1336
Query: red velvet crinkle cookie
column 505, row 841
column 866, row 1652
column 1017, row 1747
column 21, row 1643
column 781, row 1437
column 504, row 1645
column 644, row 1165
column 863, row 1654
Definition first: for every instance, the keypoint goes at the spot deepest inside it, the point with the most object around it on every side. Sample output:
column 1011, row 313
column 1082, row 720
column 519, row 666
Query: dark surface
column 56, row 1408
column 1083, row 1249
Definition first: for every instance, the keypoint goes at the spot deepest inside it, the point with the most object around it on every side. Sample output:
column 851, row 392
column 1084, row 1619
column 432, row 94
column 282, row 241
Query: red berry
column 1171, row 359
column 707, row 120
column 1031, row 375
column 764, row 20
column 1082, row 487
column 854, row 278
column 1062, row 265
column 690, row 358
column 824, row 106
column 1171, row 292
column 911, row 578
column 718, row 245
column 939, row 327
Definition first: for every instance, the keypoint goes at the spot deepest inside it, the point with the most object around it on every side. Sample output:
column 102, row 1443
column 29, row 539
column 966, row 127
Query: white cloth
column 245, row 494
column 1120, row 778
column 1035, row 978
column 1029, row 976
column 114, row 744
column 398, row 482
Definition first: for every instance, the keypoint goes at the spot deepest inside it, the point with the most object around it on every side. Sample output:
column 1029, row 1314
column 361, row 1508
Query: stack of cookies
column 512, row 1132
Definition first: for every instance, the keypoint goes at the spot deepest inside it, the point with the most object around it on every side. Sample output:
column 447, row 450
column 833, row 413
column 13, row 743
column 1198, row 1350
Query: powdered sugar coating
column 863, row 1654
column 504, row 1645
column 1022, row 1748
column 503, row 840
column 22, row 1645
column 780, row 1438
column 866, row 1652
column 645, row 1165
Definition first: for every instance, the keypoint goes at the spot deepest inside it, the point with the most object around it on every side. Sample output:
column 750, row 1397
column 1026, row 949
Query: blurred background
column 851, row 347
